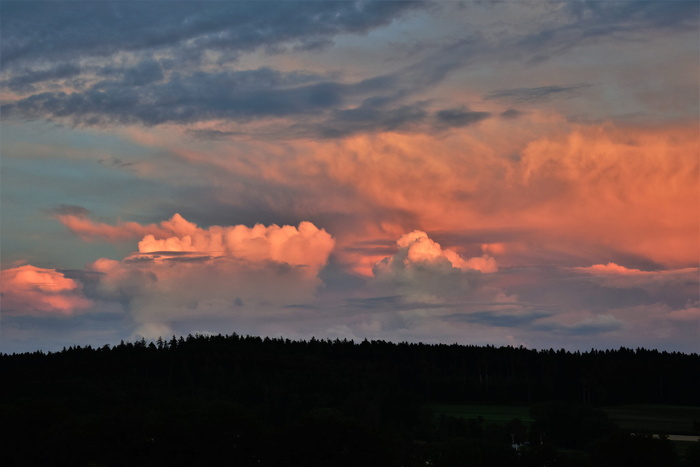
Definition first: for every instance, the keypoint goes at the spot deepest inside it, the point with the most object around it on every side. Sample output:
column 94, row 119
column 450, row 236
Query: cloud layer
column 492, row 173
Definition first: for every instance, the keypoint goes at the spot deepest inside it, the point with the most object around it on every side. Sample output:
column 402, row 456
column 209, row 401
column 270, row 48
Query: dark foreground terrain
column 233, row 400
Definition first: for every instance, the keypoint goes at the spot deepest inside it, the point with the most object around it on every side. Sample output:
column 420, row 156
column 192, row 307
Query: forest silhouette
column 242, row 400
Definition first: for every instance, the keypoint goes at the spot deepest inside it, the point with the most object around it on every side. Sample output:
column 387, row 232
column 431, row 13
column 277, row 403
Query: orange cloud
column 563, row 190
column 89, row 230
column 422, row 271
column 184, row 272
column 611, row 268
column 28, row 290
column 614, row 275
column 306, row 245
column 419, row 248
column 578, row 190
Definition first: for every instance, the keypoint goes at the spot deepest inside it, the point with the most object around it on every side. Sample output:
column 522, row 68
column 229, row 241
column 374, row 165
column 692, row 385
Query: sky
column 520, row 173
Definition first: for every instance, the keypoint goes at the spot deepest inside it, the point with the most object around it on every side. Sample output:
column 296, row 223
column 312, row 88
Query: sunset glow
column 483, row 173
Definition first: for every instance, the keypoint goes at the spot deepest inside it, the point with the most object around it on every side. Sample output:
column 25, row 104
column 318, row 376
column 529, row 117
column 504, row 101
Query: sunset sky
column 511, row 173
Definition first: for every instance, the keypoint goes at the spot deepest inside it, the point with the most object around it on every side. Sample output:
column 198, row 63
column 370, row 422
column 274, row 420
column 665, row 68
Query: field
column 657, row 419
column 490, row 413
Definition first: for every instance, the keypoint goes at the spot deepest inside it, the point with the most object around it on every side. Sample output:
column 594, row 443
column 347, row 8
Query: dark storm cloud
column 66, row 30
column 536, row 94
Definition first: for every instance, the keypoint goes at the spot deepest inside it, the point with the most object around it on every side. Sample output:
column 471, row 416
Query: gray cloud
column 459, row 117
column 372, row 118
column 499, row 318
column 240, row 95
column 511, row 114
column 581, row 329
column 63, row 30
column 536, row 94
column 590, row 21
column 23, row 81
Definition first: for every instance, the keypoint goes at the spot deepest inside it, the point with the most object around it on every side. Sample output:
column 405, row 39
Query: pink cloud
column 90, row 230
column 611, row 268
column 614, row 275
column 569, row 190
column 29, row 290
column 237, row 272
column 416, row 248
column 305, row 245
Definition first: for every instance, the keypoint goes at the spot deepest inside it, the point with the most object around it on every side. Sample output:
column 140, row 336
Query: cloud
column 614, row 275
column 24, row 82
column 416, row 249
column 511, row 114
column 612, row 268
column 595, row 326
column 142, row 97
column 536, row 94
column 28, row 290
column 144, row 64
column 181, row 273
column 372, row 118
column 459, row 117
column 185, row 273
column 68, row 210
column 89, row 230
column 422, row 271
column 517, row 318
column 304, row 246
column 56, row 31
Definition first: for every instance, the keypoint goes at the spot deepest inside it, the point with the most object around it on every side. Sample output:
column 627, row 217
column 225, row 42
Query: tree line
column 246, row 400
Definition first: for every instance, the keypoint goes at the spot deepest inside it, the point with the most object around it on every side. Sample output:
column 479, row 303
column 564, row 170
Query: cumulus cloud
column 303, row 246
column 416, row 249
column 180, row 273
column 29, row 290
column 183, row 272
column 422, row 271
